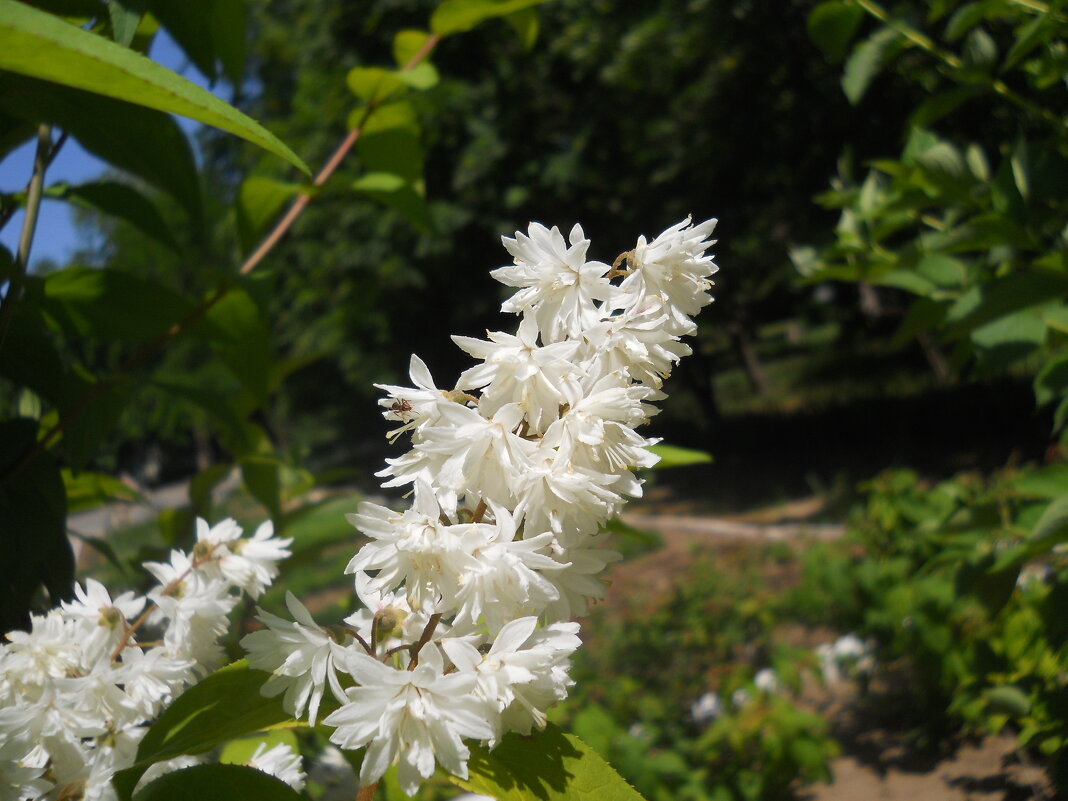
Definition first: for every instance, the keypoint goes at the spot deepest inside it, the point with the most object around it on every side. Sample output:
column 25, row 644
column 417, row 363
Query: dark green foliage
column 959, row 580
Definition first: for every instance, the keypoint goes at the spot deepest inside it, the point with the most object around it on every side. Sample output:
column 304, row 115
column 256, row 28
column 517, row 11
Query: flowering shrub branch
column 468, row 593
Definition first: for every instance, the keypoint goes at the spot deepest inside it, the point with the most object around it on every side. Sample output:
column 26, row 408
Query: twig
column 428, row 632
column 367, row 793
column 9, row 212
column 29, row 226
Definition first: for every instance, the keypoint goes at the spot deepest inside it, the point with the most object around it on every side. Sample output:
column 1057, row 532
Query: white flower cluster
column 514, row 471
column 78, row 690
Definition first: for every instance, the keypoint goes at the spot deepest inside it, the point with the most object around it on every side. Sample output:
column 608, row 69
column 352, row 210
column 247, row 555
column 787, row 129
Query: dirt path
column 874, row 765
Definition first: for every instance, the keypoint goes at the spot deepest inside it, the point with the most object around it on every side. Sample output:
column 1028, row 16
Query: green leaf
column 1052, row 526
column 203, row 485
column 99, row 405
column 190, row 25
column 937, row 106
column 107, row 304
column 398, row 114
column 525, row 23
column 379, row 182
column 225, row 705
column 422, row 76
column 259, row 201
column 218, row 783
column 228, row 31
column 121, row 201
column 125, row 17
column 235, row 329
column 980, row 51
column 394, row 150
column 147, row 143
column 867, row 59
column 406, row 44
column 39, row 45
column 29, row 358
column 458, row 16
column 374, row 84
column 832, row 25
column 675, row 456
column 1047, row 482
column 1001, row 296
column 240, row 751
column 33, row 535
column 397, row 193
column 90, row 490
column 221, row 410
column 1027, row 38
column 261, row 474
column 546, row 766
column 1007, row 700
column 1051, row 382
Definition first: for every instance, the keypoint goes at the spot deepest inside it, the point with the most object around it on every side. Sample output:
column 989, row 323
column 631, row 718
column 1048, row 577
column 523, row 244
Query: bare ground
column 877, row 762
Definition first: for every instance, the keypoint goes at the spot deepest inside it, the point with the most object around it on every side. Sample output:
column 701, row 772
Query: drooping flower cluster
column 513, row 473
column 78, row 690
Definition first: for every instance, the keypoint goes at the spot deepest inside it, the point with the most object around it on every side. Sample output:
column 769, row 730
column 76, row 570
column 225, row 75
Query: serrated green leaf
column 41, row 46
column 832, row 25
column 218, row 783
column 225, row 705
column 121, row 201
column 546, row 766
column 144, row 142
column 458, row 16
column 676, row 456
column 406, row 44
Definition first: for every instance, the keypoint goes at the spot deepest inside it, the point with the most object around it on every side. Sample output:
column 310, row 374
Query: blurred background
column 880, row 381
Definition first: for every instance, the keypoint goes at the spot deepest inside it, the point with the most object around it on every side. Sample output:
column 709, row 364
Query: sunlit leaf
column 42, row 46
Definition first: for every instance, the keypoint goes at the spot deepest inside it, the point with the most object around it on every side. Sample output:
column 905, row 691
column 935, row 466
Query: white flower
column 301, row 657
column 673, row 270
column 413, row 548
column 94, row 601
column 515, row 370
column 523, row 673
column 415, row 717
column 252, row 564
column 505, row 580
column 559, row 285
column 281, row 762
column 413, row 407
column 739, row 698
column 706, row 708
column 766, row 681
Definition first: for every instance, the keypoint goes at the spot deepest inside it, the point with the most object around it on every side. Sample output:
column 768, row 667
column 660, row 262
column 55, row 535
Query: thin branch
column 9, row 212
column 367, row 793
column 428, row 632
column 29, row 226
